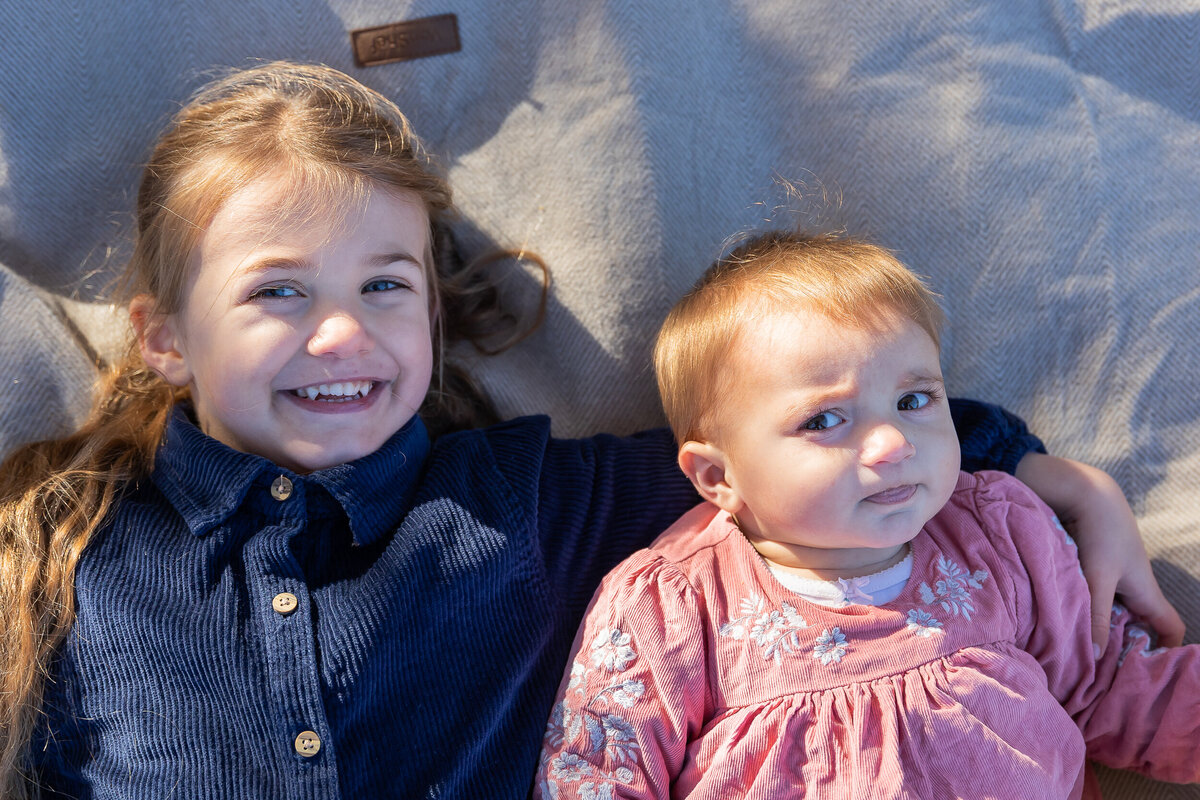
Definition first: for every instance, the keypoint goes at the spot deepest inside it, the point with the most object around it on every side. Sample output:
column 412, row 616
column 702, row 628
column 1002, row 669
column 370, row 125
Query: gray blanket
column 1038, row 159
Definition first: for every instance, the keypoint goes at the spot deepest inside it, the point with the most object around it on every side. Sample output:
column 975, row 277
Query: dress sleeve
column 990, row 437
column 634, row 692
column 1138, row 707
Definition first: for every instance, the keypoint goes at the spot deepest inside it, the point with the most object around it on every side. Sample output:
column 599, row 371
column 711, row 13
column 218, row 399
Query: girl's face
column 304, row 338
column 836, row 446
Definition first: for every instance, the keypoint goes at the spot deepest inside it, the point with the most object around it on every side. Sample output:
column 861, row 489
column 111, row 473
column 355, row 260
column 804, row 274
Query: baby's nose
column 886, row 444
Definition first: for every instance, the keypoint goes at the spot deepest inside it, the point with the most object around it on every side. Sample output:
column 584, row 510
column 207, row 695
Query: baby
column 847, row 615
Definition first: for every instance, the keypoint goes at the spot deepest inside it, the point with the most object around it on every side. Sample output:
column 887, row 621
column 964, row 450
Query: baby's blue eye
column 913, row 401
column 823, row 421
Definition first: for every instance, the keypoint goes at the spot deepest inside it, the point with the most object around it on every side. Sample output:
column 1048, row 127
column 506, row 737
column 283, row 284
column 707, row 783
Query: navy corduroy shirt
column 391, row 627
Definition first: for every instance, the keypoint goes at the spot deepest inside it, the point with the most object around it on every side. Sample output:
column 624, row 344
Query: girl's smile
column 304, row 337
column 341, row 392
column 338, row 397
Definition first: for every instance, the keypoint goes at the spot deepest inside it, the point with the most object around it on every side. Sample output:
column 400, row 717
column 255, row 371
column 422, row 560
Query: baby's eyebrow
column 920, row 377
column 814, row 401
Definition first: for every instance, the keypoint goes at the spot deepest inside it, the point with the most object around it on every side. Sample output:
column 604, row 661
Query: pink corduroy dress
column 696, row 674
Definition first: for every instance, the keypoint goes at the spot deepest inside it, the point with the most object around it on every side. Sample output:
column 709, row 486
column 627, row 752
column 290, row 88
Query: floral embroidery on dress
column 1066, row 536
column 1136, row 636
column 620, row 738
column 590, row 729
column 952, row 592
column 1067, row 539
column 775, row 631
column 611, row 650
column 593, row 791
column 923, row 624
column 625, row 695
column 830, row 647
column 570, row 767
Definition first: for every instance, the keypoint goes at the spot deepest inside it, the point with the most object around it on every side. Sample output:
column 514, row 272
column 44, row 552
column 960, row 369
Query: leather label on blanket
column 402, row 41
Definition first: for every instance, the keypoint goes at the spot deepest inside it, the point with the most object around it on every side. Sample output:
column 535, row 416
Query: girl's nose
column 886, row 444
column 340, row 335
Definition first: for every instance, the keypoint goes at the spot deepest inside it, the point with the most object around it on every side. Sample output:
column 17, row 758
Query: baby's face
column 305, row 340
column 836, row 438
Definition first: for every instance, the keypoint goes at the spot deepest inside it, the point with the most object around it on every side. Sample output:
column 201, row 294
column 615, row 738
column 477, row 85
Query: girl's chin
column 315, row 457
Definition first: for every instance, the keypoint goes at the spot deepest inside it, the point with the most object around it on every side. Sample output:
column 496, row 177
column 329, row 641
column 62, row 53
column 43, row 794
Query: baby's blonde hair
column 848, row 280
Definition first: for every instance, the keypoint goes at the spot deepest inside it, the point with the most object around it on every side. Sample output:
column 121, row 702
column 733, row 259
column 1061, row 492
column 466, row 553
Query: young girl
column 847, row 615
column 254, row 572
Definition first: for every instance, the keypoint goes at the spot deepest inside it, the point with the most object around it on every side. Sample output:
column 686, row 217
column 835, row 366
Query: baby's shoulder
column 1010, row 518
column 992, row 496
column 680, row 556
column 699, row 534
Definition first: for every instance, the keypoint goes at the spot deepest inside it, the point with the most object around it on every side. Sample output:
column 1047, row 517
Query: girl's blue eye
column 382, row 285
column 823, row 421
column 913, row 401
column 274, row 292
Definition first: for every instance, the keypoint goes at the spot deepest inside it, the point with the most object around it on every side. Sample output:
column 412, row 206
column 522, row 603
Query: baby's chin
column 900, row 531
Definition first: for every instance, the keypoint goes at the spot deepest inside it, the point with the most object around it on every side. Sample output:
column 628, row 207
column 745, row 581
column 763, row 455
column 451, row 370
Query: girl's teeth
column 343, row 390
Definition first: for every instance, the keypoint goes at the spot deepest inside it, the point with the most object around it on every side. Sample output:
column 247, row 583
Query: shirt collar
column 207, row 481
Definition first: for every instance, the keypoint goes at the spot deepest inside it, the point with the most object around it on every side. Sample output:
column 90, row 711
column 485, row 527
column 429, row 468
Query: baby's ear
column 708, row 468
column 158, row 341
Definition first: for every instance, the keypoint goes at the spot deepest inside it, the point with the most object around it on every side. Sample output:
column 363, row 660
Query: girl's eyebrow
column 268, row 263
column 383, row 259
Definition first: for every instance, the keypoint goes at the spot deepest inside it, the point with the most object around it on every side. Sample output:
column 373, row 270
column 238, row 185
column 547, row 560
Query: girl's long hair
column 333, row 141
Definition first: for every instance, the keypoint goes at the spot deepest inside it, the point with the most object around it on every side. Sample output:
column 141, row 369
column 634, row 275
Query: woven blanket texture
column 1039, row 160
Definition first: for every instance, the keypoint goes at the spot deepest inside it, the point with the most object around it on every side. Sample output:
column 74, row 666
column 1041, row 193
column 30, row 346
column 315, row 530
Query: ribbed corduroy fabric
column 698, row 675
column 436, row 591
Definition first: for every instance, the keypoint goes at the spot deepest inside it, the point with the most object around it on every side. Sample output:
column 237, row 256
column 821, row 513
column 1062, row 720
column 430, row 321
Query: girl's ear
column 708, row 468
column 158, row 341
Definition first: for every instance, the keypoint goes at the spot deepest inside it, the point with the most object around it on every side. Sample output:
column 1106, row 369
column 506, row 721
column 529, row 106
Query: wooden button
column 284, row 603
column 308, row 744
column 281, row 488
